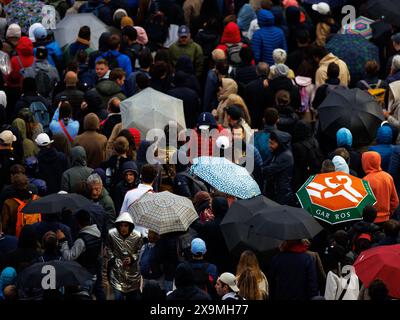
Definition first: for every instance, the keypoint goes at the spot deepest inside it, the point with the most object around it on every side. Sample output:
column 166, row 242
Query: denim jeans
column 128, row 296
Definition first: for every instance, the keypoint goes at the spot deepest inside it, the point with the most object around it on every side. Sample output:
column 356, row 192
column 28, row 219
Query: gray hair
column 94, row 178
column 396, row 62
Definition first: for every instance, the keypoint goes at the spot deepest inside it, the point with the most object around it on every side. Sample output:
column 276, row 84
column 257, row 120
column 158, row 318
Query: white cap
column 322, row 8
column 43, row 140
column 7, row 137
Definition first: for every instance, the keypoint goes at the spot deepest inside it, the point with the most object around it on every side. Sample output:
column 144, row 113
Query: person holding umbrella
column 293, row 274
column 123, row 246
column 279, row 170
column 323, row 58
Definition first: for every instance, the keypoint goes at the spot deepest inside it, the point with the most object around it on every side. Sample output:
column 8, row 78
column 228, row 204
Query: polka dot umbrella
column 226, row 176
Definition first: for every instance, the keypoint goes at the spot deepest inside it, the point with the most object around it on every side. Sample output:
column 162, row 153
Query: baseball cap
column 43, row 140
column 7, row 137
column 396, row 38
column 322, row 8
column 40, row 33
column 183, row 31
column 230, row 280
column 206, row 120
column 198, row 246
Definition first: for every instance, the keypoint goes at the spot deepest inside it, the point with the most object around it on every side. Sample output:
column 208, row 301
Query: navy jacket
column 278, row 171
column 293, row 276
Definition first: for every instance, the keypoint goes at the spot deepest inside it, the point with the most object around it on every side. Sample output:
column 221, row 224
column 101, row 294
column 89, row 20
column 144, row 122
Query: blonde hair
column 248, row 260
column 235, row 99
column 248, row 285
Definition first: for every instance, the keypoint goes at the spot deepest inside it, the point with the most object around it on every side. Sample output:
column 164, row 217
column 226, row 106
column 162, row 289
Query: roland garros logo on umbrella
column 335, row 197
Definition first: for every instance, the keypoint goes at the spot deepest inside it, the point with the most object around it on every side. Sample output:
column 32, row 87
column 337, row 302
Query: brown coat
column 9, row 216
column 95, row 146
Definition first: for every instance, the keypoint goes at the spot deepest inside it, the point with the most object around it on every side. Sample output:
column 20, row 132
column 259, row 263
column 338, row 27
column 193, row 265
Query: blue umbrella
column 226, row 176
column 355, row 50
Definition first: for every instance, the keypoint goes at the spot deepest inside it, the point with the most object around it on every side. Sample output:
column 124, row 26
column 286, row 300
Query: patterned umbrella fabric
column 163, row 212
column 381, row 263
column 226, row 176
column 355, row 50
column 24, row 13
column 335, row 197
column 361, row 26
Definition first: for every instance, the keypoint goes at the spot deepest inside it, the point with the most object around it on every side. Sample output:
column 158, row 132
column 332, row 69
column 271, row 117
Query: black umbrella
column 56, row 203
column 65, row 273
column 353, row 109
column 389, row 10
column 381, row 33
column 240, row 236
column 285, row 223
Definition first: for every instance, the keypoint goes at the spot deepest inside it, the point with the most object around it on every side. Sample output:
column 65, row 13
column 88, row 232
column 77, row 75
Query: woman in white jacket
column 342, row 284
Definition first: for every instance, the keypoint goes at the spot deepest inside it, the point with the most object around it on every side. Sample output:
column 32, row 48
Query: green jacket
column 192, row 50
column 29, row 147
column 73, row 178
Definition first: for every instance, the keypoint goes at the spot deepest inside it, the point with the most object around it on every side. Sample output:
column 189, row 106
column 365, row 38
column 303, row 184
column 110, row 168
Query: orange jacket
column 381, row 184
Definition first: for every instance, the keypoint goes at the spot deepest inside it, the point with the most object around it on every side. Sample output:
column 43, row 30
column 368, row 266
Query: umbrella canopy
column 67, row 273
column 68, row 28
column 56, row 203
column 382, row 263
column 355, row 50
column 388, row 9
column 151, row 109
column 24, row 13
column 353, row 109
column 335, row 197
column 163, row 212
column 285, row 223
column 226, row 176
column 239, row 235
column 361, row 26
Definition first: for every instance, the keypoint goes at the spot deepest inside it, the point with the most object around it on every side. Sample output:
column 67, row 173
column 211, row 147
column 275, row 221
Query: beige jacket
column 321, row 74
column 191, row 9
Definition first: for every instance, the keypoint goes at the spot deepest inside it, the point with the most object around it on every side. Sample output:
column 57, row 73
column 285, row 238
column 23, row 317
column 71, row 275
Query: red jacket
column 230, row 35
column 25, row 53
column 381, row 184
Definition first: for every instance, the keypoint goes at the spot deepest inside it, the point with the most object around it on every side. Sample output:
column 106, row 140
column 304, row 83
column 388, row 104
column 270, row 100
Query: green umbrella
column 335, row 197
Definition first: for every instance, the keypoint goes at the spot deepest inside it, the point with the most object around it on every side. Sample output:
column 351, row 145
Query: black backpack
column 233, row 51
column 314, row 156
column 43, row 83
column 183, row 244
column 111, row 59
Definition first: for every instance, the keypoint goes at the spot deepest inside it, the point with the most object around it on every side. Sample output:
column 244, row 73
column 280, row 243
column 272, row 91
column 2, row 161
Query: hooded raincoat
column 382, row 186
column 124, row 278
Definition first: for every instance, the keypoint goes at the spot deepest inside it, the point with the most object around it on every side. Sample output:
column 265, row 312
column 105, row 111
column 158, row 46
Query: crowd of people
column 256, row 71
